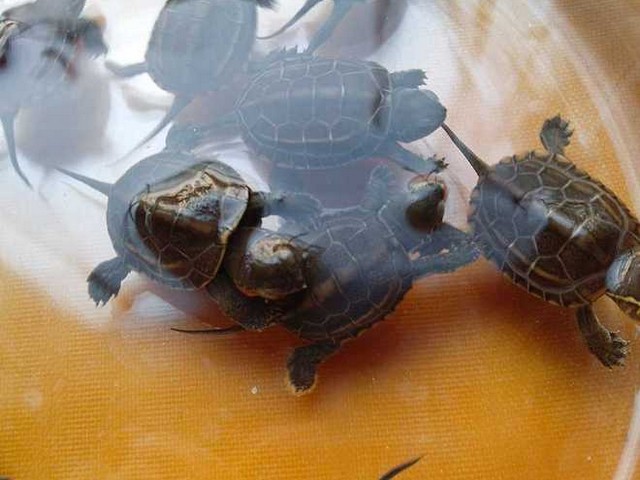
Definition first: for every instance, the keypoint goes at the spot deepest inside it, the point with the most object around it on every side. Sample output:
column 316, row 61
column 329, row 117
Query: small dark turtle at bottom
column 172, row 216
column 340, row 10
column 558, row 233
column 36, row 61
column 367, row 259
column 304, row 112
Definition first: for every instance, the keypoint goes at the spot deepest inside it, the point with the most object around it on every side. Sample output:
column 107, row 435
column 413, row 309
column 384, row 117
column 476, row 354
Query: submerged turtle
column 308, row 113
column 41, row 10
column 367, row 259
column 171, row 217
column 36, row 60
column 339, row 11
column 559, row 233
column 196, row 47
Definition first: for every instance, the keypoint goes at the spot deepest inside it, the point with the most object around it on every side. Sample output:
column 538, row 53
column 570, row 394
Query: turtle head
column 623, row 282
column 425, row 207
column 268, row 264
column 416, row 114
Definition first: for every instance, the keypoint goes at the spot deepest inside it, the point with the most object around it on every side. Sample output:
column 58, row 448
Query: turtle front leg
column 555, row 134
column 301, row 208
column 252, row 313
column 105, row 280
column 443, row 251
column 609, row 347
column 410, row 161
column 303, row 363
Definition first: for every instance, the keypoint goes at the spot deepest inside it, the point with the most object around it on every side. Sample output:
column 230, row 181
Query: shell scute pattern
column 360, row 295
column 177, row 238
column 559, row 246
column 334, row 110
column 195, row 44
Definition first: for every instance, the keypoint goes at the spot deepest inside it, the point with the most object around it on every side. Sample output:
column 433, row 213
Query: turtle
column 366, row 259
column 196, row 47
column 36, row 61
column 305, row 112
column 559, row 233
column 340, row 9
column 40, row 10
column 171, row 216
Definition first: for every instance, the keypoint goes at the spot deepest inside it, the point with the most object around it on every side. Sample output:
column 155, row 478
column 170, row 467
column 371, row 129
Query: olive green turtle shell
column 170, row 216
column 550, row 227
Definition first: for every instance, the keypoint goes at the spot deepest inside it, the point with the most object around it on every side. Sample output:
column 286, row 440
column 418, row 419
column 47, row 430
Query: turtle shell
column 195, row 45
column 550, row 227
column 309, row 112
column 361, row 275
column 170, row 216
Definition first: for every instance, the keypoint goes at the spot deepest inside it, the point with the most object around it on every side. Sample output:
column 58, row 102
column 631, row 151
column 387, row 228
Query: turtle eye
column 623, row 282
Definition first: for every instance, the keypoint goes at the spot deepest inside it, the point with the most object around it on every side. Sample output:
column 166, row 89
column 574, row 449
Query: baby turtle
column 36, row 60
column 196, row 47
column 340, row 9
column 309, row 113
column 368, row 258
column 42, row 10
column 171, row 217
column 558, row 233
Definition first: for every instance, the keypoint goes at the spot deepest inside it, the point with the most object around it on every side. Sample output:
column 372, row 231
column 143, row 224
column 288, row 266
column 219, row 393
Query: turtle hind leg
column 555, row 134
column 7, row 125
column 304, row 361
column 105, row 280
column 413, row 78
column 609, row 347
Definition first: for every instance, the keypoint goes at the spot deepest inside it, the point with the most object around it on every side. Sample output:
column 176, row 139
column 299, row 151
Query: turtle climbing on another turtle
column 558, row 233
column 37, row 59
column 367, row 258
column 172, row 216
column 195, row 48
column 340, row 10
column 304, row 112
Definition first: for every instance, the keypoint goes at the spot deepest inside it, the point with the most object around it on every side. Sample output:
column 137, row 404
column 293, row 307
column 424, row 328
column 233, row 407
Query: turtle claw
column 303, row 363
column 613, row 353
column 555, row 134
column 105, row 280
column 609, row 347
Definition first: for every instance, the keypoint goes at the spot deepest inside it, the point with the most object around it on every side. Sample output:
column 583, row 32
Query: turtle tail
column 476, row 162
column 309, row 4
column 179, row 104
column 102, row 187
column 7, row 125
column 400, row 468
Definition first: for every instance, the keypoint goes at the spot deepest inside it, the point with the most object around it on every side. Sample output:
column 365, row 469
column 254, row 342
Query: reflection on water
column 464, row 366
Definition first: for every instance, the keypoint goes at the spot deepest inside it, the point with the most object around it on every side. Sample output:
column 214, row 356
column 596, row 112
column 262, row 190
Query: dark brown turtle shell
column 170, row 216
column 559, row 243
column 359, row 278
column 337, row 111
column 195, row 45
